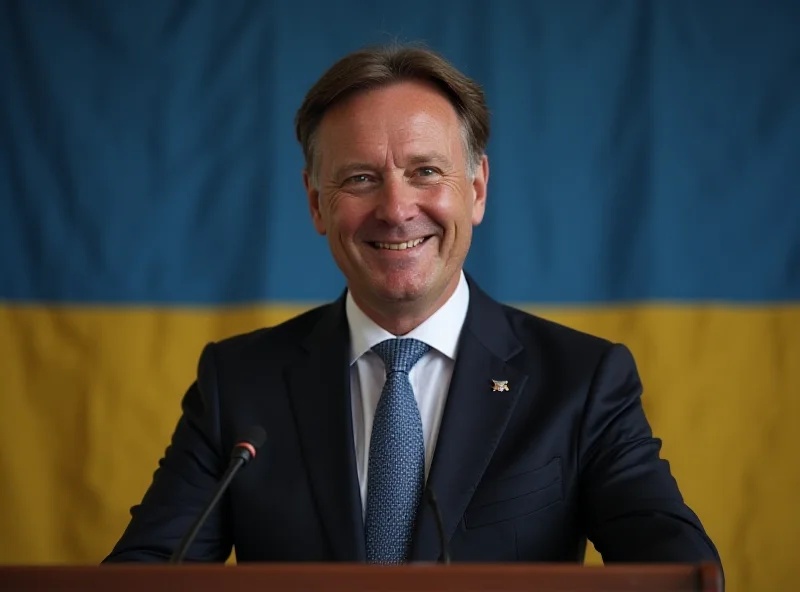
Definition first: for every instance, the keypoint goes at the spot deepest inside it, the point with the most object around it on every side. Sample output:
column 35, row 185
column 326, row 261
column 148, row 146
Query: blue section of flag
column 640, row 150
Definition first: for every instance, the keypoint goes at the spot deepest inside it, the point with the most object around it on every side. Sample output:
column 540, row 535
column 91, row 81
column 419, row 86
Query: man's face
column 394, row 198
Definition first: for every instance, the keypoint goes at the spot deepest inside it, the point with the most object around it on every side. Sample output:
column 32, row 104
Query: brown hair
column 374, row 67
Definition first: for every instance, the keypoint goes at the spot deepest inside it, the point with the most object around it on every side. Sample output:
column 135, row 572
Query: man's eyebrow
column 429, row 157
column 350, row 168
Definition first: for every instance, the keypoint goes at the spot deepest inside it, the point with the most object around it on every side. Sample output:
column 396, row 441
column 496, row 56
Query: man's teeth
column 400, row 246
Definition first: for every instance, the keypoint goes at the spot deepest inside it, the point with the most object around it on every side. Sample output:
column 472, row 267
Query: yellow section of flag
column 90, row 398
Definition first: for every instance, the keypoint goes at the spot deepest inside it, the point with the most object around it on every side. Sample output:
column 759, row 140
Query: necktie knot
column 400, row 355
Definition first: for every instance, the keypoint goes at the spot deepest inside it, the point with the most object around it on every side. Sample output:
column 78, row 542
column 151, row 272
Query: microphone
column 243, row 452
column 444, row 553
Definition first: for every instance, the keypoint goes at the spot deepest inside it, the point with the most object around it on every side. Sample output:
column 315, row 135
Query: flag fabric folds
column 645, row 187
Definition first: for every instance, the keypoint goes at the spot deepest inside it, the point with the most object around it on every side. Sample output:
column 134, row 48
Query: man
column 414, row 385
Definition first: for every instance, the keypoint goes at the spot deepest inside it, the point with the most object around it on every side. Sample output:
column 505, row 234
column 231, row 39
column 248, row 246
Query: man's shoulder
column 529, row 328
column 531, row 322
column 563, row 354
column 552, row 339
column 282, row 338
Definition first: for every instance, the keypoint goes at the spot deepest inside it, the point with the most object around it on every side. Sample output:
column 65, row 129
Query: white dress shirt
column 430, row 377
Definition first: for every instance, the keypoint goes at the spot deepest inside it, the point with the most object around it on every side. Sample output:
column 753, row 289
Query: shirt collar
column 441, row 330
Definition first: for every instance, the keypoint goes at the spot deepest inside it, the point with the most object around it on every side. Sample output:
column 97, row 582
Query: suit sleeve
column 182, row 484
column 632, row 505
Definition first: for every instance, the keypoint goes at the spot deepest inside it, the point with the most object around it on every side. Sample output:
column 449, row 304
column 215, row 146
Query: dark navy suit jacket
column 520, row 475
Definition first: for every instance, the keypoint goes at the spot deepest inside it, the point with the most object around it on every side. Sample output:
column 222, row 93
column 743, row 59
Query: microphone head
column 245, row 449
column 255, row 436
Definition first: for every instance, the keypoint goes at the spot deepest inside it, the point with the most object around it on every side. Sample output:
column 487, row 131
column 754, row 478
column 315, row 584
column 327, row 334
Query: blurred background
column 645, row 187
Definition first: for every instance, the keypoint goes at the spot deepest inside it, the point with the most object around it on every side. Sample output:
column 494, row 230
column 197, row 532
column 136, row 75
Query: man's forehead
column 415, row 134
column 415, row 150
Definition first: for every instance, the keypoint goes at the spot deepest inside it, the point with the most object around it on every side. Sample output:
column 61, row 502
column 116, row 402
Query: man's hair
column 375, row 67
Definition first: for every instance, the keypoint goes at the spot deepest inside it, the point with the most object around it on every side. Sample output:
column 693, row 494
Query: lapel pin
column 499, row 385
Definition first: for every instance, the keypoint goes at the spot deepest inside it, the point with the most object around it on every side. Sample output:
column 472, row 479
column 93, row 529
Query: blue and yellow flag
column 645, row 187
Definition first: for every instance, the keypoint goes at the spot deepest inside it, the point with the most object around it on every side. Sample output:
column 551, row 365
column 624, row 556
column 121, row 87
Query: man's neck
column 400, row 318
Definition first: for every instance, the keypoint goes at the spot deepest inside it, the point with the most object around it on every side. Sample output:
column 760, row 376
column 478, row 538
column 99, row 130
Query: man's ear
column 313, row 203
column 479, row 188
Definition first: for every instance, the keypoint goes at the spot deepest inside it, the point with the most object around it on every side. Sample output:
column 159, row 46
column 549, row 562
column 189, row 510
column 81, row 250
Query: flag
column 644, row 187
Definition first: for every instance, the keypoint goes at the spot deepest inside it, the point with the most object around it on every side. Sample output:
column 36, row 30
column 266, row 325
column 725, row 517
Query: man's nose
column 398, row 201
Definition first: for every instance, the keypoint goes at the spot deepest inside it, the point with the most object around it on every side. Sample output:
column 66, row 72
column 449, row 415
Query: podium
column 515, row 577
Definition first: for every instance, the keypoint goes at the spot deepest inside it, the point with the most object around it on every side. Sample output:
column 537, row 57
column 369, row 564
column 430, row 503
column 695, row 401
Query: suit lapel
column 474, row 418
column 319, row 387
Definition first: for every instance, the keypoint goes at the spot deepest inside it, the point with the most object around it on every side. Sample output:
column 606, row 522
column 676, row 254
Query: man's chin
column 398, row 295
column 398, row 290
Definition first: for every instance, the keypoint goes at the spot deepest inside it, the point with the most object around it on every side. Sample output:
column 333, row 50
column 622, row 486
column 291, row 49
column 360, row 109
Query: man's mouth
column 399, row 246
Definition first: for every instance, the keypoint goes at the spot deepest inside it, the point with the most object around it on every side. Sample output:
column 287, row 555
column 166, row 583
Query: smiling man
column 397, row 190
column 414, row 384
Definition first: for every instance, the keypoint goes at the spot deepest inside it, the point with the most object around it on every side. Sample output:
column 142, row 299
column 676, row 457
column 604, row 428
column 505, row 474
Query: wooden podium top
column 353, row 577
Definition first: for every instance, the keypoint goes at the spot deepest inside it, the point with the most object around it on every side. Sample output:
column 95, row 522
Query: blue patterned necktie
column 396, row 473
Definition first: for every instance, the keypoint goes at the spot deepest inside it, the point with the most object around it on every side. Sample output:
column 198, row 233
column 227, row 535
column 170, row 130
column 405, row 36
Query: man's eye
column 427, row 171
column 358, row 179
